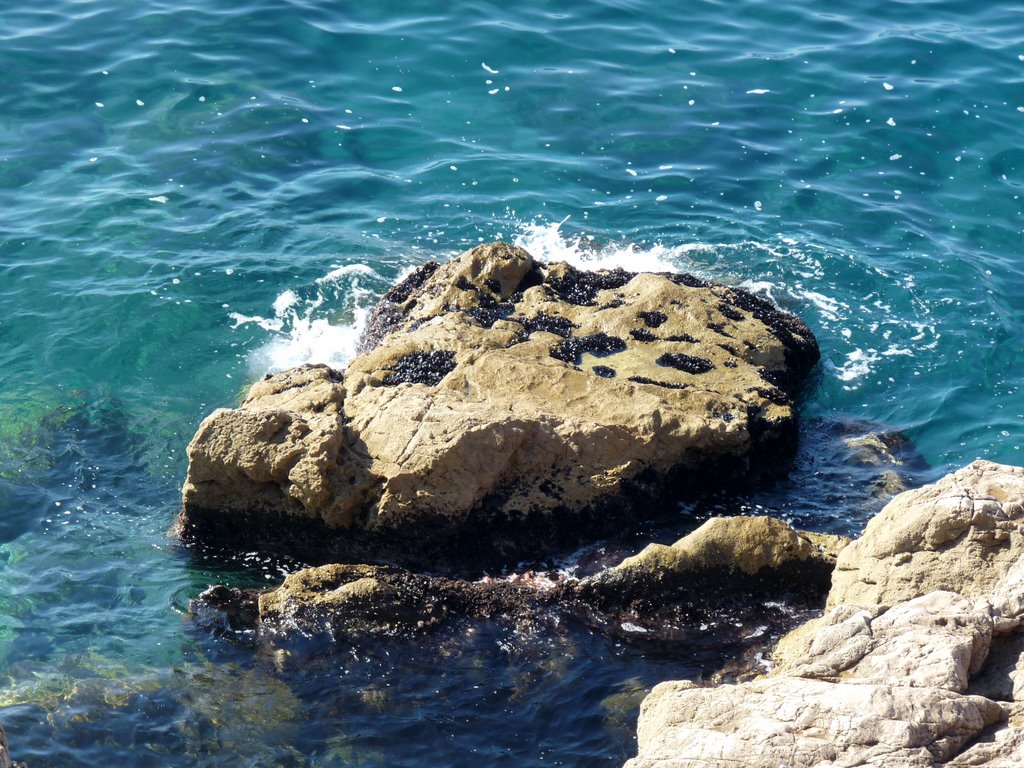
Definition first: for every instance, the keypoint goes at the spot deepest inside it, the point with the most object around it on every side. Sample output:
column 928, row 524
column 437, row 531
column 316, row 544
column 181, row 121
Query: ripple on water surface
column 193, row 194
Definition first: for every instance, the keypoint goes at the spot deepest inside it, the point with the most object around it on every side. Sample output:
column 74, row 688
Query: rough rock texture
column 802, row 723
column 734, row 562
column 918, row 660
column 333, row 605
column 502, row 406
column 726, row 555
column 959, row 534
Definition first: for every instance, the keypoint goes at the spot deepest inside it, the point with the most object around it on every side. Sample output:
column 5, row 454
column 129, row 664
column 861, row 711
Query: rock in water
column 502, row 407
column 959, row 534
column 918, row 661
column 751, row 556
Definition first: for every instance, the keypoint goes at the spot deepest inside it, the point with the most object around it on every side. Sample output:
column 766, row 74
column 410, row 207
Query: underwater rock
column 5, row 755
column 503, row 407
column 339, row 604
column 918, row 660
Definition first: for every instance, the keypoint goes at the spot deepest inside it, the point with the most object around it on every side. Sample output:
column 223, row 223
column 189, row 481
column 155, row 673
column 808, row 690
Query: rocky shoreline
column 917, row 661
column 502, row 408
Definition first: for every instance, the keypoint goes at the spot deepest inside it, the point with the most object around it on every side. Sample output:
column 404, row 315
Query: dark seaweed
column 413, row 282
column 580, row 288
column 604, row 371
column 389, row 314
column 549, row 324
column 801, row 346
column 774, row 394
column 572, row 349
column 775, row 378
column 687, row 363
column 642, row 334
column 652, row 319
column 421, row 368
column 666, row 384
column 488, row 312
column 682, row 278
column 731, row 312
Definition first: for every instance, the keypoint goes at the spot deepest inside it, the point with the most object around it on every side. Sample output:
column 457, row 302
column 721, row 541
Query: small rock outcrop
column 502, row 407
column 917, row 662
column 327, row 608
column 353, row 602
column 727, row 561
column 726, row 556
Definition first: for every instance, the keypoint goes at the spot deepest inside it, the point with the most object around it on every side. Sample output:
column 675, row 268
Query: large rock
column 918, row 660
column 960, row 534
column 801, row 723
column 502, row 406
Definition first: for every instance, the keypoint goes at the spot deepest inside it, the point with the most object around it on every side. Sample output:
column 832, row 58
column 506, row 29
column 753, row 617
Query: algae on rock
column 503, row 407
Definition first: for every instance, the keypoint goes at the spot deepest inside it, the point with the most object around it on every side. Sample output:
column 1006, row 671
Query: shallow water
column 194, row 193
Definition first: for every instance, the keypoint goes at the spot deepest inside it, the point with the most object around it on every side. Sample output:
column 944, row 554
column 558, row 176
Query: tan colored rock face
column 724, row 556
column 960, row 534
column 918, row 661
column 509, row 404
column 806, row 724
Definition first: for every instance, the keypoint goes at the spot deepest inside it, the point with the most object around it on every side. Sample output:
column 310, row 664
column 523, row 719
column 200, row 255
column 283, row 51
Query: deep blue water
column 194, row 192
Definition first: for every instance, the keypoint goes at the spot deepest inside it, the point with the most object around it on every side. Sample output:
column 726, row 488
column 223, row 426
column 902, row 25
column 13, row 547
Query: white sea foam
column 858, row 363
column 311, row 326
column 628, row 626
column 322, row 322
column 547, row 243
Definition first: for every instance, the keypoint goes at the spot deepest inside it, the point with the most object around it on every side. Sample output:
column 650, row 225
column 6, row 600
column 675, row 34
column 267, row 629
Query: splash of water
column 303, row 331
column 322, row 323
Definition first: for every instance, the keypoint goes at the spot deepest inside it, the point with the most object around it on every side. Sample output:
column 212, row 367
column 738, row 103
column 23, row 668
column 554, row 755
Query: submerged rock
column 502, row 407
column 336, row 605
column 918, row 660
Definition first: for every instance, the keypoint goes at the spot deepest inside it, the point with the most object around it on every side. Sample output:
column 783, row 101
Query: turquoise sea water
column 193, row 193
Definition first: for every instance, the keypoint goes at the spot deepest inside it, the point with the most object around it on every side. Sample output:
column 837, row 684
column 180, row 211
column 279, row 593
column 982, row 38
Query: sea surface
column 193, row 193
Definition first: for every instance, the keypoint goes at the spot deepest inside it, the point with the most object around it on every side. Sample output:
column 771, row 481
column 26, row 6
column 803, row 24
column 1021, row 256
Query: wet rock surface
column 726, row 557
column 727, row 568
column 503, row 407
column 916, row 662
